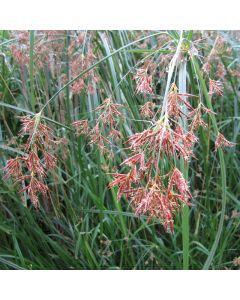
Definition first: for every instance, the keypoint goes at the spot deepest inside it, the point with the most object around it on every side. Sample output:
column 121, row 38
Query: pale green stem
column 184, row 168
column 222, row 167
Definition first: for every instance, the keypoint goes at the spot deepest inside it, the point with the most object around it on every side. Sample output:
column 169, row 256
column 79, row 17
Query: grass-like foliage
column 119, row 150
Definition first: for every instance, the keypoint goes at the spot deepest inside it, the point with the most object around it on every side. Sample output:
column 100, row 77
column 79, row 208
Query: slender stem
column 31, row 62
column 33, row 114
column 184, row 169
column 164, row 115
column 185, row 237
column 222, row 168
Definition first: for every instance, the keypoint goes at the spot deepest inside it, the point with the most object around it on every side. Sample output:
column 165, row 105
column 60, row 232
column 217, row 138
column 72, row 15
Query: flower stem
column 184, row 170
column 222, row 167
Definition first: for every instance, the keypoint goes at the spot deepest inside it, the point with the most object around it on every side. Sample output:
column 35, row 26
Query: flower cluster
column 144, row 82
column 213, row 62
column 30, row 170
column 50, row 51
column 215, row 87
column 105, row 128
column 48, row 48
column 165, row 188
column 80, row 62
column 155, row 199
column 147, row 110
column 221, row 142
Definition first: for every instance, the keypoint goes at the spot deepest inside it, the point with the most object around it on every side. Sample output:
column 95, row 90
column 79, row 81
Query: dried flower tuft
column 31, row 169
column 144, row 82
column 147, row 110
column 221, row 142
column 236, row 261
column 215, row 87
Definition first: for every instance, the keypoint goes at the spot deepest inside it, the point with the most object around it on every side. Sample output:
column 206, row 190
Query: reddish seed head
column 179, row 183
column 123, row 181
column 49, row 160
column 13, row 168
column 38, row 158
column 81, row 126
column 197, row 120
column 215, row 87
column 78, row 86
column 176, row 101
column 144, row 82
column 221, row 142
column 132, row 160
column 105, row 129
column 33, row 189
column 40, row 135
column 34, row 164
column 207, row 68
column 147, row 110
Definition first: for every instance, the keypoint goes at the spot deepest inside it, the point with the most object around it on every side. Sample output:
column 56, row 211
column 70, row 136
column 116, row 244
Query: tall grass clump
column 119, row 150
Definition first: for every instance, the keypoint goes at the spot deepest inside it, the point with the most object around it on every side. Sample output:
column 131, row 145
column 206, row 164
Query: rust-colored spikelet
column 147, row 110
column 124, row 181
column 81, row 127
column 215, row 87
column 39, row 134
column 105, row 128
column 144, row 82
column 221, row 142
column 13, row 168
column 34, row 164
column 155, row 199
column 50, row 160
column 176, row 100
column 179, row 183
column 31, row 169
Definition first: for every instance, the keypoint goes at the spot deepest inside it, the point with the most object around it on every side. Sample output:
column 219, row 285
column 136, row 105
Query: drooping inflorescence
column 144, row 82
column 30, row 169
column 105, row 130
column 153, row 186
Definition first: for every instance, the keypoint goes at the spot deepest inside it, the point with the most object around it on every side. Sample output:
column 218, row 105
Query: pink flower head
column 221, row 142
column 139, row 139
column 123, row 181
column 97, row 138
column 34, row 164
column 109, row 114
column 176, row 100
column 81, row 126
column 35, row 186
column 179, row 183
column 147, row 110
column 37, row 161
column 13, row 168
column 207, row 68
column 39, row 134
column 215, row 87
column 197, row 120
column 50, row 160
column 78, row 86
column 144, row 82
column 137, row 158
